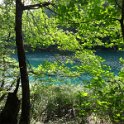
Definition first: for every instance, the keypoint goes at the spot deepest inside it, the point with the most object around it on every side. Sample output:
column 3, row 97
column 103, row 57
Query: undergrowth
column 77, row 104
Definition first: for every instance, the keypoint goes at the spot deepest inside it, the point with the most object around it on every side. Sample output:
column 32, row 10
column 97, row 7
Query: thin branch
column 17, row 85
column 54, row 75
column 37, row 6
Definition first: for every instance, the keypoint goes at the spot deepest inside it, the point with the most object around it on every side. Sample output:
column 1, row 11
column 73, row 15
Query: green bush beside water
column 79, row 104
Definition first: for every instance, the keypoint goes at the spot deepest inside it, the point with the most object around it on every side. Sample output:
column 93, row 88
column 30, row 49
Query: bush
column 102, row 104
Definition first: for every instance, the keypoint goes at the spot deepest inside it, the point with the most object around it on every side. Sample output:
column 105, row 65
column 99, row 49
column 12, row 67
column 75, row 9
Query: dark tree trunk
column 10, row 112
column 25, row 114
column 122, row 19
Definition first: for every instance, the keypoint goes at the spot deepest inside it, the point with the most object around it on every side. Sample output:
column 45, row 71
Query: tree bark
column 9, row 114
column 122, row 19
column 25, row 114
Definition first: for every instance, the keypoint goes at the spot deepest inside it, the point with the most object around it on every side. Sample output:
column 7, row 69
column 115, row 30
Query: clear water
column 36, row 58
column 111, row 59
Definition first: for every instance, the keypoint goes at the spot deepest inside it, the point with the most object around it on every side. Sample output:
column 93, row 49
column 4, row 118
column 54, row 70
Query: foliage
column 104, row 102
column 69, row 102
column 95, row 22
column 79, row 27
column 8, row 65
column 82, row 24
column 101, row 104
column 54, row 101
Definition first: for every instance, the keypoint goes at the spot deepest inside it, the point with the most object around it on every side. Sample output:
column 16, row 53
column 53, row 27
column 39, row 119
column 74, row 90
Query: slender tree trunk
column 25, row 114
column 122, row 19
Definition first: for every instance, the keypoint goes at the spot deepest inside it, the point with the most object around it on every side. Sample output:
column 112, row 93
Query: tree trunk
column 122, row 19
column 10, row 112
column 25, row 114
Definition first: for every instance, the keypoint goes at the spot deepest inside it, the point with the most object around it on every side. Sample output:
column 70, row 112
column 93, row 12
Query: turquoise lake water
column 111, row 59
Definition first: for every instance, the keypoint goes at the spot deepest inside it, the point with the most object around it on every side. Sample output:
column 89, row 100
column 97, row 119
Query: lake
column 111, row 59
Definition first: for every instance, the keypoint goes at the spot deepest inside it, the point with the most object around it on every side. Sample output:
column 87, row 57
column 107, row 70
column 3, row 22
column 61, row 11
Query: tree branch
column 37, row 6
column 53, row 75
